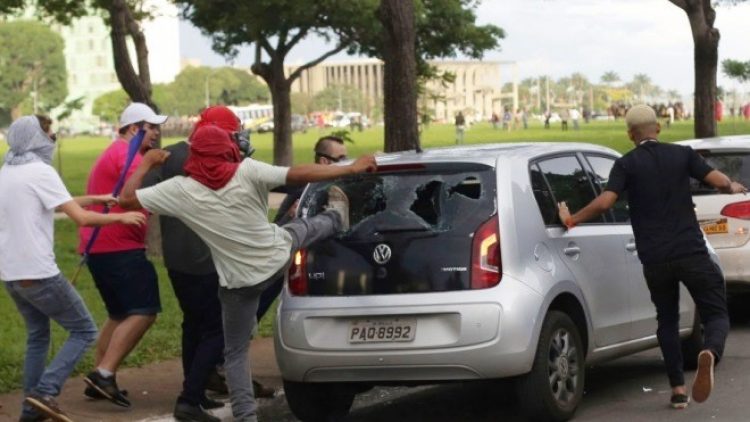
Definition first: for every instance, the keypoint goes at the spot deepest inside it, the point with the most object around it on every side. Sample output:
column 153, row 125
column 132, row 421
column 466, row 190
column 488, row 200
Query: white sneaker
column 339, row 202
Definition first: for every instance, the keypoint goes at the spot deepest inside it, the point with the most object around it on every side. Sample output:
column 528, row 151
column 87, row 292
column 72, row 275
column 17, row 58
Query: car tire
column 318, row 402
column 693, row 345
column 560, row 355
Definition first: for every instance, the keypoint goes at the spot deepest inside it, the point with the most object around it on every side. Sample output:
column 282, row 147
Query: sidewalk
column 152, row 390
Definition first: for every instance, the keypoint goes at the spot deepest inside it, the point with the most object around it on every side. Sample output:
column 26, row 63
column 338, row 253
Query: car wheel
column 554, row 387
column 318, row 402
column 693, row 345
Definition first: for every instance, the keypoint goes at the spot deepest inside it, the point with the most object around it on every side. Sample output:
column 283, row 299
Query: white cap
column 139, row 112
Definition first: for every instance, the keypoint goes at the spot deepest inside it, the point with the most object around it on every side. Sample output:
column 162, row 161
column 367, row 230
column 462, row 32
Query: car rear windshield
column 433, row 197
column 736, row 165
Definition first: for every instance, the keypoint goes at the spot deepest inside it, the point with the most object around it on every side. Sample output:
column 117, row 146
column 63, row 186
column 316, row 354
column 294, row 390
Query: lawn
column 163, row 340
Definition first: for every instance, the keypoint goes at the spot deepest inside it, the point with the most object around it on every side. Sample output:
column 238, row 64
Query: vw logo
column 382, row 253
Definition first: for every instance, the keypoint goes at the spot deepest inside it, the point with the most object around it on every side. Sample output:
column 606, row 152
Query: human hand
column 564, row 213
column 365, row 163
column 155, row 157
column 736, row 187
column 132, row 218
column 107, row 200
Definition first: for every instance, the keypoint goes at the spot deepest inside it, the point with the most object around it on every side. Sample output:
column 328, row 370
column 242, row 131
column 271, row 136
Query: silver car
column 456, row 268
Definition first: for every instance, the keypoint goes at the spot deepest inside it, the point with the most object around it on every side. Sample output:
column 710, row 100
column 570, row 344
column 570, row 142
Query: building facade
column 476, row 90
column 90, row 65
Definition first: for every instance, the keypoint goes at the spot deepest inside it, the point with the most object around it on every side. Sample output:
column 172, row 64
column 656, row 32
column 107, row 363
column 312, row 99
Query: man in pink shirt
column 126, row 280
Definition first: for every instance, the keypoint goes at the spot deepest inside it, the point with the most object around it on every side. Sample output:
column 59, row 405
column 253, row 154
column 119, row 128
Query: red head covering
column 213, row 158
column 219, row 116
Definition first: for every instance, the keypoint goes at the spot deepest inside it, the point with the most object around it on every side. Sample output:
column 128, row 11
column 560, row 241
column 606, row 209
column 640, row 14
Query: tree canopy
column 32, row 68
column 736, row 69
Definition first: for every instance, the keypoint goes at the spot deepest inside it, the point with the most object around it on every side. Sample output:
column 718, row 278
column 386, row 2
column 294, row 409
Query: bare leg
column 105, row 336
column 124, row 338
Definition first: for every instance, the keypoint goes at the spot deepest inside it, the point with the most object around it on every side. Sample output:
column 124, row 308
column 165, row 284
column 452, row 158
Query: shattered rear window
column 437, row 198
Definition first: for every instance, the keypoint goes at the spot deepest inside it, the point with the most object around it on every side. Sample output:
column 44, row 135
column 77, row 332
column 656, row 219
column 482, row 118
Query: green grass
column 163, row 340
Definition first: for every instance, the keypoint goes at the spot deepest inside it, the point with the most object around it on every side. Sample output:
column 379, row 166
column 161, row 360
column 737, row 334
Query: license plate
column 716, row 227
column 382, row 330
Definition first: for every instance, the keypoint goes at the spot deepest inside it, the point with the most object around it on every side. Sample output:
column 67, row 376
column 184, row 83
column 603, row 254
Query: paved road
column 629, row 389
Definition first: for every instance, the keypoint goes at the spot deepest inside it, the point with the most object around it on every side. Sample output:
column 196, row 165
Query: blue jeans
column 239, row 307
column 38, row 301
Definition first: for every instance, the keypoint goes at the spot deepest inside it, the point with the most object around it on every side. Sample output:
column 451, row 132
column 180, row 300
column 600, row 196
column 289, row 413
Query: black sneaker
column 107, row 387
column 679, row 401
column 208, row 404
column 216, row 383
column 263, row 392
column 36, row 417
column 47, row 405
column 189, row 413
column 93, row 394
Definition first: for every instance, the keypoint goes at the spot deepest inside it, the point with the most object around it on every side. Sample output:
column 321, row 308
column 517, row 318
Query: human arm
column 84, row 217
column 722, row 182
column 309, row 173
column 85, row 201
column 153, row 158
column 595, row 208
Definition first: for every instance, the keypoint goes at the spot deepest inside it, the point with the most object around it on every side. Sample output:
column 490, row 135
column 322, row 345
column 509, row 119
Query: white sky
column 559, row 37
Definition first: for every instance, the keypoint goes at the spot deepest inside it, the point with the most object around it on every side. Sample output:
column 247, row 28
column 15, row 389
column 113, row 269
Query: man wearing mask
column 30, row 192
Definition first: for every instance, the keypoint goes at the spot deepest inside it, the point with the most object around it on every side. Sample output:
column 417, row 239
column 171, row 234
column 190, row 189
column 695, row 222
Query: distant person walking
column 671, row 246
column 460, row 128
column 564, row 117
column 30, row 191
column 575, row 116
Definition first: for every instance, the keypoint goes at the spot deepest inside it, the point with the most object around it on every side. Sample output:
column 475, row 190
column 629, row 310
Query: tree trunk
column 138, row 87
column 706, row 63
column 400, row 75
column 701, row 16
column 280, row 87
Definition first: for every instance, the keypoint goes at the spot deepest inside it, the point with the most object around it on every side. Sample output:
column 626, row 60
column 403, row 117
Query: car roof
column 719, row 143
column 488, row 153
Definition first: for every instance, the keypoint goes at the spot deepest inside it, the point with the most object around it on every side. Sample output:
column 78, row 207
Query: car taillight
column 737, row 210
column 298, row 274
column 485, row 255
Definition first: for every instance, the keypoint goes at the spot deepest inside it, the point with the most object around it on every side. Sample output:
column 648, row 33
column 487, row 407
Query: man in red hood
column 224, row 199
column 196, row 283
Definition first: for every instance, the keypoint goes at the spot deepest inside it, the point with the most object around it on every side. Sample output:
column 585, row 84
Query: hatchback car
column 457, row 268
column 725, row 219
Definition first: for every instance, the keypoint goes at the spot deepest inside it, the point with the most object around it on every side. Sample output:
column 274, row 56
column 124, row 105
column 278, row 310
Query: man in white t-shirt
column 224, row 200
column 30, row 191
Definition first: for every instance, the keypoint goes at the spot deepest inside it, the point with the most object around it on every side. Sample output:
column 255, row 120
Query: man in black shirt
column 328, row 150
column 671, row 246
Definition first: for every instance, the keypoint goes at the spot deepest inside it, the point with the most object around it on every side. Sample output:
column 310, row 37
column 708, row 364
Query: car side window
column 543, row 196
column 601, row 167
column 568, row 182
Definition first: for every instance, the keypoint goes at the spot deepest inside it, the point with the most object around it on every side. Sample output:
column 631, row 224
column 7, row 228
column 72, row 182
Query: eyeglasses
column 333, row 159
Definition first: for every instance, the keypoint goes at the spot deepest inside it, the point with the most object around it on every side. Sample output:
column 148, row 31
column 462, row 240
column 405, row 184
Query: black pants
column 202, row 333
column 705, row 283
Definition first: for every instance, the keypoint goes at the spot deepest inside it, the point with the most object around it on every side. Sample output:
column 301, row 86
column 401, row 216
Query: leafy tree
column 339, row 97
column 641, row 85
column 302, row 103
column 737, row 70
column 444, row 29
column 701, row 15
column 123, row 17
column 31, row 65
column 610, row 78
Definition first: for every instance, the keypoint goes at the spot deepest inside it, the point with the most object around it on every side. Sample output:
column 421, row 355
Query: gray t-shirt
column 183, row 250
column 233, row 221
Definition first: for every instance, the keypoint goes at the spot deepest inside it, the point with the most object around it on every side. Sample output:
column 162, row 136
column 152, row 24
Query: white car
column 725, row 219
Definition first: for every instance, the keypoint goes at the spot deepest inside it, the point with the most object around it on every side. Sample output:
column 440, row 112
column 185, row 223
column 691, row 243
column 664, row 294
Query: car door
column 590, row 251
column 642, row 309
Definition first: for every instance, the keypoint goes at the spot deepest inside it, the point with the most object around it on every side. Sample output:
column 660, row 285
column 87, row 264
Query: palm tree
column 610, row 78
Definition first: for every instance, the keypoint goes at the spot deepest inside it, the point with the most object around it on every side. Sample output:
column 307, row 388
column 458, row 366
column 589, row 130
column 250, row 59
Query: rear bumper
column 459, row 336
column 735, row 266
